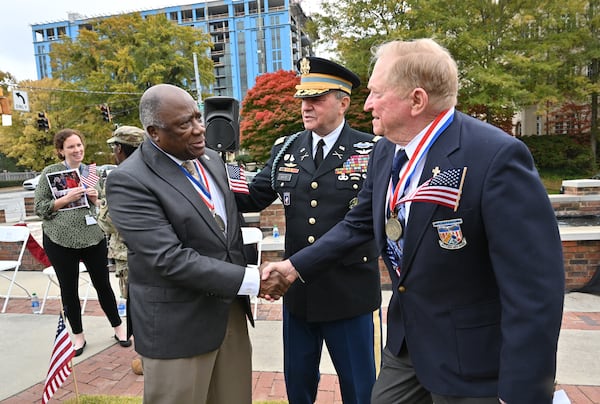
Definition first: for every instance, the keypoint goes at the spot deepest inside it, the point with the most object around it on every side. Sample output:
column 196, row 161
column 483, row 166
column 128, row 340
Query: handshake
column 275, row 279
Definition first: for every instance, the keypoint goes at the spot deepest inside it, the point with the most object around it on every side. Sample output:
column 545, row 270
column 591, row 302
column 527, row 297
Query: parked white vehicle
column 31, row 183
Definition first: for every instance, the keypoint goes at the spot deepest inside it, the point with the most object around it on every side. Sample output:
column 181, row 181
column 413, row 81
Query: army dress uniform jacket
column 314, row 201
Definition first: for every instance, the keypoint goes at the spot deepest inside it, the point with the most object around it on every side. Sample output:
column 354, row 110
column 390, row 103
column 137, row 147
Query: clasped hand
column 76, row 193
column 276, row 278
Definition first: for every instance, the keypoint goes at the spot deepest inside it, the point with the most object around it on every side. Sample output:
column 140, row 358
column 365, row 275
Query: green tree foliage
column 111, row 62
column 269, row 111
column 510, row 53
column 30, row 147
column 122, row 56
column 356, row 115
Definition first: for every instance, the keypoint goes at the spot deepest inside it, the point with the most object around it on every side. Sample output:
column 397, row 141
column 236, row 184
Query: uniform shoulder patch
column 279, row 140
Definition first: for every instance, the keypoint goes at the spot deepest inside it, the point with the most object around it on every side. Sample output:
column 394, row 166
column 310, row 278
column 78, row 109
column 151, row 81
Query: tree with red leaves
column 269, row 111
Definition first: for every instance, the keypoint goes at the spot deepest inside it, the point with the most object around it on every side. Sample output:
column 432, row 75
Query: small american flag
column 443, row 189
column 60, row 369
column 237, row 178
column 92, row 178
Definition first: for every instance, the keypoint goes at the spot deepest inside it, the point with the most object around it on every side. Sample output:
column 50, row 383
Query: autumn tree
column 112, row 62
column 269, row 111
column 22, row 141
column 510, row 53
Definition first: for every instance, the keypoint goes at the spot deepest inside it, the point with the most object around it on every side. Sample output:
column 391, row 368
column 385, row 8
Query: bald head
column 171, row 118
column 153, row 99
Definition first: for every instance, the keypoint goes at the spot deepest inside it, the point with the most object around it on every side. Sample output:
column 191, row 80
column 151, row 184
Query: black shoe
column 79, row 351
column 124, row 344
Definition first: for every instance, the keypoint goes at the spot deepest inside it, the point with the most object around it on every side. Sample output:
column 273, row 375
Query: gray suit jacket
column 183, row 271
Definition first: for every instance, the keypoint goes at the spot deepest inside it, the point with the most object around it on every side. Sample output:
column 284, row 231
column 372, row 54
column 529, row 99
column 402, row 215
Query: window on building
column 62, row 31
column 186, row 16
column 173, row 16
column 199, row 13
column 276, row 54
column 238, row 9
column 50, row 35
column 243, row 65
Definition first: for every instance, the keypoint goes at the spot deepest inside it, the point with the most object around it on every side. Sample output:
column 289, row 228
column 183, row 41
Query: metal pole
column 261, row 43
column 197, row 78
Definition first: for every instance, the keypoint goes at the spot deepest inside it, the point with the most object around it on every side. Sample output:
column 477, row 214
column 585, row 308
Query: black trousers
column 66, row 264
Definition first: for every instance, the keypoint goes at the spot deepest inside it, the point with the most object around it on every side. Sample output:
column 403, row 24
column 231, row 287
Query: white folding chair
column 253, row 235
column 51, row 274
column 16, row 236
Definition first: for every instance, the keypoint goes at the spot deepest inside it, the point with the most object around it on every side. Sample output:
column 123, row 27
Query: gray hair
column 150, row 104
column 422, row 63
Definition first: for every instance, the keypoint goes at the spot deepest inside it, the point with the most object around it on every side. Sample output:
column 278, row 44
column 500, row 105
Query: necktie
column 399, row 161
column 190, row 167
column 395, row 249
column 319, row 153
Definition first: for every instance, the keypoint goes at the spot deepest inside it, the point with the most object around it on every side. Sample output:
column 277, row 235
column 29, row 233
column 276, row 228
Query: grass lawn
column 552, row 184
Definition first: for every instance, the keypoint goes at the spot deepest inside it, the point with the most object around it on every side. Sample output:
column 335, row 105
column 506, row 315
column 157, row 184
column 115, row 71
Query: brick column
column 29, row 206
column 273, row 215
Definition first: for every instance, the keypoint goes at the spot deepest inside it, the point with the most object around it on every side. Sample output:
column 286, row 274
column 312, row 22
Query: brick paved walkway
column 109, row 371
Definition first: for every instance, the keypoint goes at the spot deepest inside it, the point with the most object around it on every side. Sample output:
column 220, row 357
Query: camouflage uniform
column 117, row 250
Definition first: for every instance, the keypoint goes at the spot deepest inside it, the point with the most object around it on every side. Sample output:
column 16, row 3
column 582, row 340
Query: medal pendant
column 393, row 229
column 220, row 221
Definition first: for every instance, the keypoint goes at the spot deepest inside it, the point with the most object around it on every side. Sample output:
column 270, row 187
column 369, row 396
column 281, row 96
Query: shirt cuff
column 251, row 282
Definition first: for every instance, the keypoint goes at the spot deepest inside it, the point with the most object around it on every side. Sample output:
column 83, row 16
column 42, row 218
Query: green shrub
column 559, row 155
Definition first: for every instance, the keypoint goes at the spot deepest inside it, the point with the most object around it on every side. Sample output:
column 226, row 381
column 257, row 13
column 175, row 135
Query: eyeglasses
column 113, row 146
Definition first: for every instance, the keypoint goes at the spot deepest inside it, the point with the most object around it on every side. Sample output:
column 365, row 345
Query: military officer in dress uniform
column 317, row 174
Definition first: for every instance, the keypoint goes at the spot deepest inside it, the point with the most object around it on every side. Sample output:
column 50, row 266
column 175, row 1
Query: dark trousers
column 397, row 383
column 350, row 343
column 66, row 264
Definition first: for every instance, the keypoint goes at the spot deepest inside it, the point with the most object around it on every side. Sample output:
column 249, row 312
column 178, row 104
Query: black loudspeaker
column 222, row 120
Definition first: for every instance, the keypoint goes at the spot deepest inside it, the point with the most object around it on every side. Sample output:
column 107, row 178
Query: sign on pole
column 20, row 101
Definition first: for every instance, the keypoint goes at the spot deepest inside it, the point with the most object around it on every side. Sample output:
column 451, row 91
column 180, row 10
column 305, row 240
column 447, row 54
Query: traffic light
column 105, row 112
column 42, row 122
column 221, row 117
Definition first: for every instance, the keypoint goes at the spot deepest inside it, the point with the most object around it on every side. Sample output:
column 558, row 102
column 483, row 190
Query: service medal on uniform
column 393, row 228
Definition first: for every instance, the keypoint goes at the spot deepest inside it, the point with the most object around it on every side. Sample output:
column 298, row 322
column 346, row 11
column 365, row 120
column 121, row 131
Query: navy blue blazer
column 482, row 319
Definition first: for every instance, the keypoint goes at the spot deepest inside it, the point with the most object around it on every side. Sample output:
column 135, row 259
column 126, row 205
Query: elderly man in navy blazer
column 468, row 234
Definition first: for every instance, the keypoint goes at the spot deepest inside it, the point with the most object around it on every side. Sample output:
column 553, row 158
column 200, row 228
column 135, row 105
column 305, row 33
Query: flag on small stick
column 443, row 189
column 92, row 178
column 237, row 178
column 60, row 367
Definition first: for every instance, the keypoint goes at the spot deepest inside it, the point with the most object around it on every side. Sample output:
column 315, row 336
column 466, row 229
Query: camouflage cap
column 130, row 135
